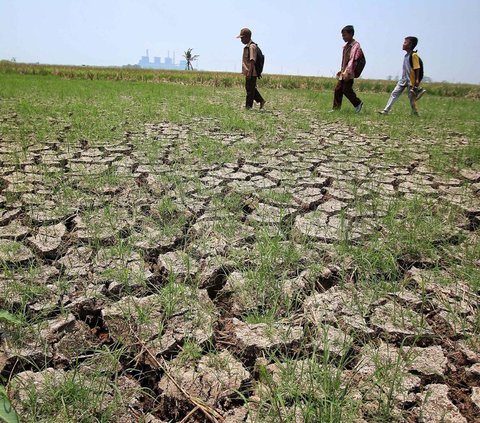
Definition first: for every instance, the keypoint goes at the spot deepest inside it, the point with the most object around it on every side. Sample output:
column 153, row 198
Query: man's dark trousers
column 345, row 88
column 252, row 92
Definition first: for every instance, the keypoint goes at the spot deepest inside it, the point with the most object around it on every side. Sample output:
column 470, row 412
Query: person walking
column 410, row 78
column 351, row 53
column 248, row 69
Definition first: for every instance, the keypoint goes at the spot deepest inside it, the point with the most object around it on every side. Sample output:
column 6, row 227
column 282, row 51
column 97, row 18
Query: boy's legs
column 394, row 96
column 349, row 93
column 338, row 96
column 412, row 96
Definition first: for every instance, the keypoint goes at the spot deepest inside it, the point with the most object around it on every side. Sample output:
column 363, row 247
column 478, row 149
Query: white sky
column 299, row 37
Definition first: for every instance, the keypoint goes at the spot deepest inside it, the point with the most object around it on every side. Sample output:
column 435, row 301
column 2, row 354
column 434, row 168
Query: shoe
column 417, row 92
column 420, row 93
column 262, row 103
column 383, row 112
column 358, row 109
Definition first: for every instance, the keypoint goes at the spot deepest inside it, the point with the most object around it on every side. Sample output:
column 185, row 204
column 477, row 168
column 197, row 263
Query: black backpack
column 420, row 73
column 360, row 64
column 259, row 62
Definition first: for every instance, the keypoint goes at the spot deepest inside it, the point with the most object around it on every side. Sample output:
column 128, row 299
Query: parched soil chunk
column 253, row 339
column 395, row 320
column 215, row 378
column 270, row 215
column 436, row 407
column 47, row 241
column 75, row 341
column 332, row 340
column 378, row 365
column 14, row 230
column 178, row 265
column 102, row 225
column 8, row 215
column 121, row 271
column 163, row 322
column 31, row 353
column 476, row 396
column 77, row 261
column 427, row 361
column 337, row 306
column 319, row 226
column 26, row 382
column 14, row 253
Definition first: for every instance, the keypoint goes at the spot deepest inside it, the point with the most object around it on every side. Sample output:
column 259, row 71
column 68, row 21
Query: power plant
column 168, row 62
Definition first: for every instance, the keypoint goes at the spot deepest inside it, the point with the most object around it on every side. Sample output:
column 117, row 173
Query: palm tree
column 190, row 58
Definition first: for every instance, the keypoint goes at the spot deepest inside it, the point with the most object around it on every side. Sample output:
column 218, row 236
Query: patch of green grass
column 311, row 387
column 413, row 232
column 190, row 351
column 10, row 249
column 211, row 151
column 74, row 397
column 269, row 271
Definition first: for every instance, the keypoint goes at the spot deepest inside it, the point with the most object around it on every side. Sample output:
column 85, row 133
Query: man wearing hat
column 248, row 69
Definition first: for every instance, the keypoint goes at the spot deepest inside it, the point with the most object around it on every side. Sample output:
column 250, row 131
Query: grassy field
column 154, row 233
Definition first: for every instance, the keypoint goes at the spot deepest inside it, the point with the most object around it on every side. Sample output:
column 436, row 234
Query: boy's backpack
column 259, row 62
column 360, row 64
column 420, row 73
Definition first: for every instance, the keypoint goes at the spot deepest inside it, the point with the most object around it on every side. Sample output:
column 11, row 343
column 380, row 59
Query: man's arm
column 253, row 57
column 250, row 69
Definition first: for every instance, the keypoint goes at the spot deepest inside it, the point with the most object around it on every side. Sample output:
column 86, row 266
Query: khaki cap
column 244, row 31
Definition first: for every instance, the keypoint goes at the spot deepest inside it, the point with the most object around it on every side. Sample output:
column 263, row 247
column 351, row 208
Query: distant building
column 168, row 63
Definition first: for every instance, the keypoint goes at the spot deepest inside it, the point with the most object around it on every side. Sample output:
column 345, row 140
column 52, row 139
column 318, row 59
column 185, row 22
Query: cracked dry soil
column 180, row 236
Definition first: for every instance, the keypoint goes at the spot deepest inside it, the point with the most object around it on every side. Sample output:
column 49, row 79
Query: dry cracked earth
column 113, row 249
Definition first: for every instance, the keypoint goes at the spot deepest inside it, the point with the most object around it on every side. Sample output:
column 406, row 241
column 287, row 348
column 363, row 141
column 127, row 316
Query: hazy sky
column 297, row 36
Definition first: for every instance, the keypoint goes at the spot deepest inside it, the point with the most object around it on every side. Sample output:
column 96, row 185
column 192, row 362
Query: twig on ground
column 192, row 412
column 211, row 413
